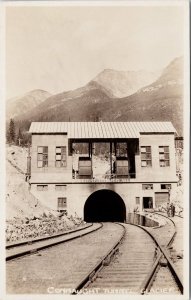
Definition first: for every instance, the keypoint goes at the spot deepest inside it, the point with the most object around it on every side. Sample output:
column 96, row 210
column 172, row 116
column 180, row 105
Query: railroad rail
column 132, row 260
column 155, row 277
column 129, row 267
column 130, row 273
column 66, row 265
column 43, row 238
column 103, row 262
column 23, row 248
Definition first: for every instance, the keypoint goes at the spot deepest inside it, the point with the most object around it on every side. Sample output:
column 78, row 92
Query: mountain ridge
column 162, row 100
column 125, row 83
column 19, row 105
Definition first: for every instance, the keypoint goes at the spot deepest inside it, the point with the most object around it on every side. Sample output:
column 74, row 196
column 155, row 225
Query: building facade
column 64, row 179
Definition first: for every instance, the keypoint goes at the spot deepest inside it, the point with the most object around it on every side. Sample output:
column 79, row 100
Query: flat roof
column 101, row 130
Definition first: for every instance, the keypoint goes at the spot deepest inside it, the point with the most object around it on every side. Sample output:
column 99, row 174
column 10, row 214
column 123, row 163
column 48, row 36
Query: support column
column 28, row 164
column 90, row 155
column 111, row 157
column 128, row 159
column 115, row 148
column 93, row 148
column 115, row 152
column 70, row 147
column 89, row 149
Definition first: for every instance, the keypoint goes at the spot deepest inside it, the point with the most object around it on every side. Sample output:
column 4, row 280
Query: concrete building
column 139, row 176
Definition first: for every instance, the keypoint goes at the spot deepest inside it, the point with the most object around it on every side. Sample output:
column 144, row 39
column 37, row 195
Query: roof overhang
column 102, row 130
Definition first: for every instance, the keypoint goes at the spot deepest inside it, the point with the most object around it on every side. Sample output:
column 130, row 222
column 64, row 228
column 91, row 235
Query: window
column 147, row 186
column 60, row 187
column 42, row 187
column 147, row 202
column 61, row 156
column 164, row 158
column 165, row 186
column 42, row 156
column 146, row 156
column 137, row 199
column 62, row 203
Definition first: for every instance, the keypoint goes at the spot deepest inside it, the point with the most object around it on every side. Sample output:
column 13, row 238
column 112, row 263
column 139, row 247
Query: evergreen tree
column 11, row 132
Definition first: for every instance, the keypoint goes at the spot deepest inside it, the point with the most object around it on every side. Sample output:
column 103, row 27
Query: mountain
column 124, row 83
column 160, row 101
column 86, row 103
column 172, row 75
column 55, row 100
column 20, row 105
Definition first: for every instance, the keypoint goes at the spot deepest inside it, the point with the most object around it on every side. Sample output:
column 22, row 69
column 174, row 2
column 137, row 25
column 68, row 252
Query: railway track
column 62, row 267
column 120, row 258
column 142, row 266
column 164, row 277
column 128, row 269
column 175, row 247
column 19, row 249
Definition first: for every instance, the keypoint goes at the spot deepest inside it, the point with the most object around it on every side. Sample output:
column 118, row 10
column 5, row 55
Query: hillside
column 20, row 105
column 19, row 201
column 23, row 210
column 88, row 92
column 163, row 105
column 173, row 73
column 160, row 101
column 124, row 83
column 85, row 106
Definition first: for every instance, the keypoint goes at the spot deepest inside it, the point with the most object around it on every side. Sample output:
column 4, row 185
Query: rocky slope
column 125, row 83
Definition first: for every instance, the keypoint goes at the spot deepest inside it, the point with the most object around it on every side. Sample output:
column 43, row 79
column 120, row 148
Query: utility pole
column 28, row 163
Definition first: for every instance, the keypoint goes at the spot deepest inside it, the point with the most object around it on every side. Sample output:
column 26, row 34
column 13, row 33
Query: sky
column 62, row 48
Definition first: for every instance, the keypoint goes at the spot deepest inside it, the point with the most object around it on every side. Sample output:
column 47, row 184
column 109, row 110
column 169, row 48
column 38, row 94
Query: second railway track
column 20, row 249
column 59, row 269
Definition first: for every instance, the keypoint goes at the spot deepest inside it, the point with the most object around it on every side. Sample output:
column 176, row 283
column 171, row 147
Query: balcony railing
column 107, row 178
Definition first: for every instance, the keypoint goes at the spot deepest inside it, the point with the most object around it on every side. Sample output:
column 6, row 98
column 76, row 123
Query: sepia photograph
column 96, row 149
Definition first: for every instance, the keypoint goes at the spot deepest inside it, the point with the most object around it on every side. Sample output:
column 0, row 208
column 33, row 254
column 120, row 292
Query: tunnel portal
column 104, row 206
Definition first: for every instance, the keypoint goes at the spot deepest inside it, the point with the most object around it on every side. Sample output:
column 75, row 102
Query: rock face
column 124, row 83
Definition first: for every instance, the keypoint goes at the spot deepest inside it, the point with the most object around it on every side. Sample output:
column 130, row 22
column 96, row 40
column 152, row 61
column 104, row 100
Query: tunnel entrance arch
column 104, row 206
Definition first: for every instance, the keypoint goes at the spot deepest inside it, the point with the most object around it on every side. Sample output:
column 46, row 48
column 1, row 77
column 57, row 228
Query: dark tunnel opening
column 104, row 206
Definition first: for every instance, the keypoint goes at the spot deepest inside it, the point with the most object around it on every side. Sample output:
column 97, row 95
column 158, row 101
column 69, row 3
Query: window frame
column 146, row 159
column 147, row 184
column 64, row 203
column 164, row 160
column 44, row 154
column 62, row 156
column 44, row 187
column 167, row 186
column 60, row 187
column 137, row 200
